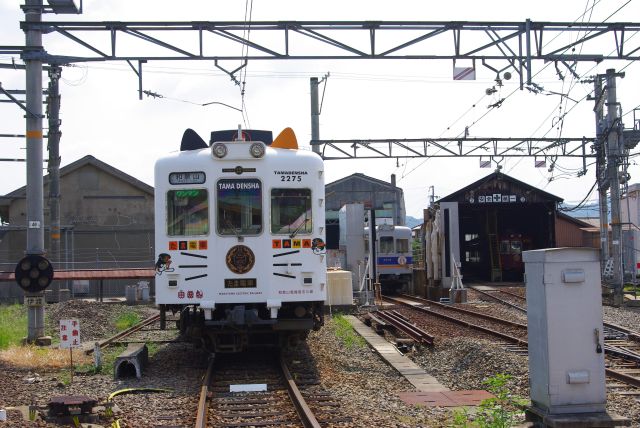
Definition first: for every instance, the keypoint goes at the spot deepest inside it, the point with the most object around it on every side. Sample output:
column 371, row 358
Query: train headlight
column 256, row 150
column 219, row 150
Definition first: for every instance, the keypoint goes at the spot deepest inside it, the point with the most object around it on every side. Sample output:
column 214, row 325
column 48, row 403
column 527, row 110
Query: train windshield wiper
column 297, row 229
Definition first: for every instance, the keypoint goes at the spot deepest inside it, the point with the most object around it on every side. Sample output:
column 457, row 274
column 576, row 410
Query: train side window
column 291, row 211
column 239, row 206
column 402, row 245
column 187, row 212
column 386, row 244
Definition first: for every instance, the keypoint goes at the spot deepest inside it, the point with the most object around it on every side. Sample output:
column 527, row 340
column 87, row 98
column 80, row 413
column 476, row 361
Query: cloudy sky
column 102, row 116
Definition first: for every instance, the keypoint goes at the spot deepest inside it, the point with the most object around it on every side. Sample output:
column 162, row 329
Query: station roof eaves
column 498, row 175
column 360, row 176
column 89, row 160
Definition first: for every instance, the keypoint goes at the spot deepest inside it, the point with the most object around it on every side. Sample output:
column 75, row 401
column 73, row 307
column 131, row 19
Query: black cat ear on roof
column 192, row 141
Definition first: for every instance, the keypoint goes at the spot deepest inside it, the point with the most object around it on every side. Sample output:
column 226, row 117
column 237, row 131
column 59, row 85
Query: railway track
column 622, row 346
column 144, row 331
column 510, row 332
column 519, row 300
column 259, row 390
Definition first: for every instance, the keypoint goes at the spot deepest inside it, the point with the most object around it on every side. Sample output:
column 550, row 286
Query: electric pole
column 53, row 167
column 614, row 132
column 315, row 113
column 35, row 213
column 601, row 175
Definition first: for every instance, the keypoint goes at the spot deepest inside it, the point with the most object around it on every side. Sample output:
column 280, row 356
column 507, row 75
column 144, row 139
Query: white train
column 240, row 238
column 394, row 256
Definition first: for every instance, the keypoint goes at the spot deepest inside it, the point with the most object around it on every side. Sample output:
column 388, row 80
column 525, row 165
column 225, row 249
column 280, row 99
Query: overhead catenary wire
column 583, row 98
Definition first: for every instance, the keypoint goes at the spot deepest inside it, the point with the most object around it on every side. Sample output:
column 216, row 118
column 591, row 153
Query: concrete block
column 131, row 361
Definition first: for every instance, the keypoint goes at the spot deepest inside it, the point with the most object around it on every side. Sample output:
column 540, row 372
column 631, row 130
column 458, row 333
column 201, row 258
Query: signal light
column 34, row 273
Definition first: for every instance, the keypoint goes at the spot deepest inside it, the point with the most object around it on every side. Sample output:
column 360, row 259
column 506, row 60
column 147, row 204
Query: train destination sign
column 197, row 177
column 239, row 185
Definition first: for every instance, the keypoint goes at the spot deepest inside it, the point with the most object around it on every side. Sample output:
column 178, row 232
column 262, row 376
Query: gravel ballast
column 355, row 375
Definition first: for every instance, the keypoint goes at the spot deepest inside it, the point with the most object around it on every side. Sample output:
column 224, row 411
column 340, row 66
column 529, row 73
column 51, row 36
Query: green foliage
column 13, row 325
column 126, row 320
column 500, row 411
column 344, row 331
column 153, row 348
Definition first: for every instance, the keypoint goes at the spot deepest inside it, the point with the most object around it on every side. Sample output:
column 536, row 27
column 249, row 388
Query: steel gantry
column 516, row 43
column 493, row 147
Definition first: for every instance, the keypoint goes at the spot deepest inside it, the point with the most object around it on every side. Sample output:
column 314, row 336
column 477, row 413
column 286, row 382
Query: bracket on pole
column 17, row 101
column 138, row 72
column 232, row 73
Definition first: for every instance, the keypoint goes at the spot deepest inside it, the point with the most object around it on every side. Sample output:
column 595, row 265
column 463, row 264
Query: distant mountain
column 585, row 211
column 412, row 221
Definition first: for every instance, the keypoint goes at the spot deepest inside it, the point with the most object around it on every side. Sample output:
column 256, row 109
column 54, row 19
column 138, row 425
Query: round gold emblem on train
column 240, row 259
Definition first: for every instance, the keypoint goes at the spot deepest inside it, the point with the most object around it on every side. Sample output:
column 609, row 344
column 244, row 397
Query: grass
column 126, row 320
column 344, row 331
column 32, row 356
column 13, row 325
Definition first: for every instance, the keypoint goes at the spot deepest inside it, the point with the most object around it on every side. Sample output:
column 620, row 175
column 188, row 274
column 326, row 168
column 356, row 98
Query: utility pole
column 601, row 177
column 614, row 133
column 53, row 167
column 35, row 213
column 315, row 113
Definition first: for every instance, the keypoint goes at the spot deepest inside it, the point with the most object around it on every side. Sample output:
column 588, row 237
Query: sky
column 361, row 99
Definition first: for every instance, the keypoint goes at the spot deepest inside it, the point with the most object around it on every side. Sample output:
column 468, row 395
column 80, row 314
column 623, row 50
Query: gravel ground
column 366, row 386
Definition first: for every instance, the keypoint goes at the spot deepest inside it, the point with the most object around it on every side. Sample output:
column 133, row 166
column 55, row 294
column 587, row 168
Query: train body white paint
column 240, row 231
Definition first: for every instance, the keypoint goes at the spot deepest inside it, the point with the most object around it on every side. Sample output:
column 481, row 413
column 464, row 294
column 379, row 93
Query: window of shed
column 291, row 211
column 187, row 212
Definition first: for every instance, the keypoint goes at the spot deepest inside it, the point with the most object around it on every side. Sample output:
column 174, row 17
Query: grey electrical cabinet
column 566, row 343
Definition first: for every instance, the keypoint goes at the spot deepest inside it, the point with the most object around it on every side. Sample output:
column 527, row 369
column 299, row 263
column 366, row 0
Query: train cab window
column 386, row 244
column 239, row 206
column 291, row 211
column 187, row 212
column 402, row 245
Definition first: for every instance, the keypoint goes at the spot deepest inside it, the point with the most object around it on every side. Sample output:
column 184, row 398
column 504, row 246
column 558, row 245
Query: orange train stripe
column 34, row 134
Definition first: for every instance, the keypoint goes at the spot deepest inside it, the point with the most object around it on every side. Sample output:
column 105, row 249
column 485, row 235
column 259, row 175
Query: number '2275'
column 290, row 178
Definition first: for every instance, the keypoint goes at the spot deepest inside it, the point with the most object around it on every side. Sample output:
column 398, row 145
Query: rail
column 498, row 299
column 611, row 351
column 304, row 412
column 506, row 337
column 203, row 401
column 395, row 319
column 124, row 333
column 465, row 311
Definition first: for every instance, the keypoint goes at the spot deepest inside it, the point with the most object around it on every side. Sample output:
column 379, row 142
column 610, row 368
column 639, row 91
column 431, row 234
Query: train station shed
column 486, row 226
column 106, row 221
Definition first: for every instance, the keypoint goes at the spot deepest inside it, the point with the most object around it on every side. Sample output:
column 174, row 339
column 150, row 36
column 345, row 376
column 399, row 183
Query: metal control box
column 566, row 342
